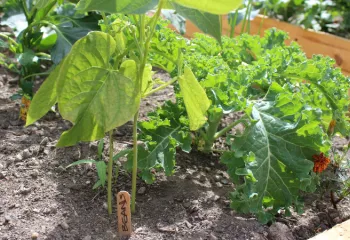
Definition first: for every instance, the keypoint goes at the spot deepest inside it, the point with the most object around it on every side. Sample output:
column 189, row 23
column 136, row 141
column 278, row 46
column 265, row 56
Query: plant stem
column 36, row 74
column 9, row 39
column 245, row 18
column 143, row 52
column 262, row 21
column 110, row 172
column 134, row 163
column 233, row 25
column 213, row 124
column 160, row 88
column 45, row 55
column 25, row 10
column 248, row 25
column 228, row 128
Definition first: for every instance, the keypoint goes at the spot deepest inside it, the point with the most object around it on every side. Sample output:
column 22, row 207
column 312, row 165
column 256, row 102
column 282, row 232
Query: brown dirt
column 37, row 194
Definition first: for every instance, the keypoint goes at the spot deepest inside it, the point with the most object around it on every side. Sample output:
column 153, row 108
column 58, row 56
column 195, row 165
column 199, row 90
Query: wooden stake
column 124, row 213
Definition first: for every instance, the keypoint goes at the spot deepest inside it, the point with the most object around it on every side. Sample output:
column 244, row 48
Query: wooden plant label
column 124, row 214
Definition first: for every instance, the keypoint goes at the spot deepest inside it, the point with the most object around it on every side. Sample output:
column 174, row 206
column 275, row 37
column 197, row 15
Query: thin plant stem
column 134, row 163
column 228, row 128
column 109, row 174
column 233, row 25
column 160, row 87
column 8, row 38
column 245, row 18
column 144, row 52
column 250, row 12
column 110, row 160
column 25, row 10
column 36, row 74
column 262, row 21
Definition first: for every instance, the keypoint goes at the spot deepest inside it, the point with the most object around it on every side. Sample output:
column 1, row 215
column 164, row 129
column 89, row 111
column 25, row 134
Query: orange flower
column 320, row 163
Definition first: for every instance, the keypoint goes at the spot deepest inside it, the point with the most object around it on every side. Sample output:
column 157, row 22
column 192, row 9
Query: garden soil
column 40, row 199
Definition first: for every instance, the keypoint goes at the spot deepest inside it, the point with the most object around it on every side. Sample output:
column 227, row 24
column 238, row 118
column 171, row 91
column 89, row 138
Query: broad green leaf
column 83, row 161
column 90, row 94
column 118, row 6
column 195, row 99
column 68, row 33
column 277, row 159
column 207, row 22
column 101, row 171
column 45, row 97
column 211, row 6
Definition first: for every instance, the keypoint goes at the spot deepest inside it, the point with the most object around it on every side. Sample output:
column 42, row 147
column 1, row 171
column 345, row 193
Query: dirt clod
column 279, row 231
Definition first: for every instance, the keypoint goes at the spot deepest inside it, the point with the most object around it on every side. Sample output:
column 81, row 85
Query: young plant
column 50, row 26
column 99, row 85
column 101, row 166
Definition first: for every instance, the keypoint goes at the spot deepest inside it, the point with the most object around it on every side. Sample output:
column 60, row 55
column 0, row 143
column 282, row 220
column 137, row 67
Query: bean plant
column 99, row 85
column 49, row 30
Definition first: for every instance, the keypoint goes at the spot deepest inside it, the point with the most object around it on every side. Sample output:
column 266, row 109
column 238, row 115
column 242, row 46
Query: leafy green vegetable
column 161, row 137
column 274, row 156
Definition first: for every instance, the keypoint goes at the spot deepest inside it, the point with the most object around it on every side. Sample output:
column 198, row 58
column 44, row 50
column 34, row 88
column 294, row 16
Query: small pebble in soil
column 105, row 206
column 186, row 204
column 188, row 177
column 26, row 154
column 46, row 151
column 23, row 190
column 18, row 158
column 64, row 225
column 219, row 185
column 215, row 198
column 7, row 219
column 212, row 237
column 35, row 235
column 44, row 141
column 224, row 181
column 3, row 174
column 9, row 162
column 141, row 190
column 202, row 178
column 34, row 173
column 88, row 237
column 217, row 178
column 280, row 231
